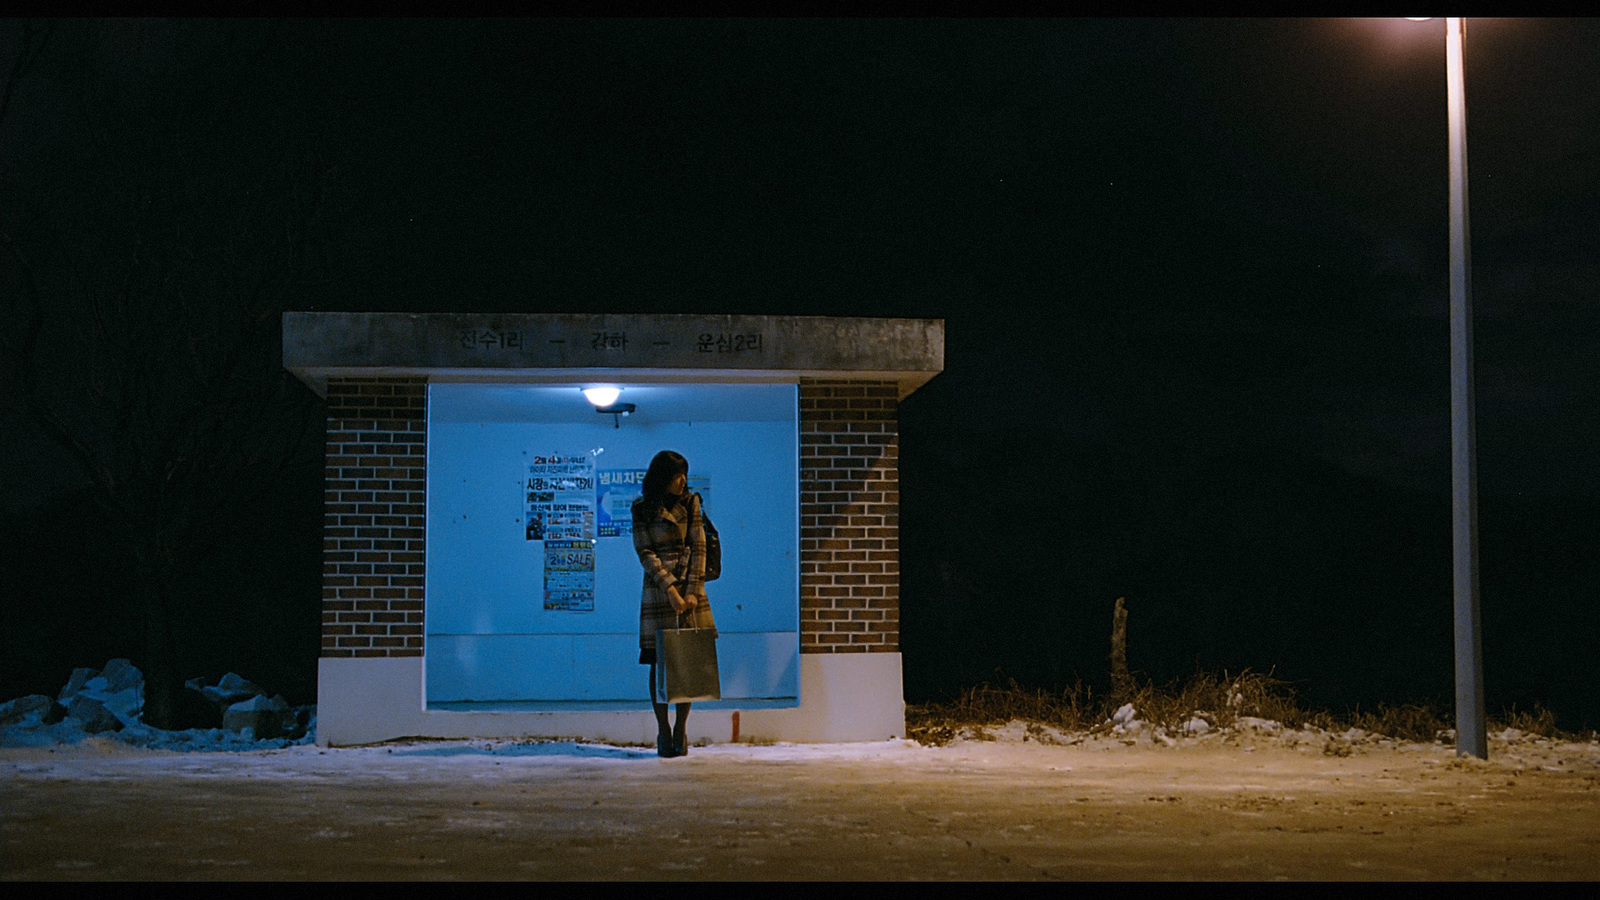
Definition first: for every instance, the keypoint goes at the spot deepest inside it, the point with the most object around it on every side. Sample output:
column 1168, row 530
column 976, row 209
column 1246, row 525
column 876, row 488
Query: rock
column 265, row 717
column 14, row 711
column 299, row 721
column 54, row 714
column 118, row 690
column 120, row 675
column 230, row 690
column 126, row 704
column 195, row 711
column 240, row 704
column 79, row 678
column 93, row 715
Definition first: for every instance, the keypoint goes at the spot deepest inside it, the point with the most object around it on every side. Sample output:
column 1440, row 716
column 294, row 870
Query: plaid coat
column 672, row 548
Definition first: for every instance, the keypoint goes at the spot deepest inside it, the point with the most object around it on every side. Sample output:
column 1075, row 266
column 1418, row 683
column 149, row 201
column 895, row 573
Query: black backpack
column 713, row 546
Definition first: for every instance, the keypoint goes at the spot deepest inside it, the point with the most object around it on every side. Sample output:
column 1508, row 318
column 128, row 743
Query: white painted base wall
column 843, row 697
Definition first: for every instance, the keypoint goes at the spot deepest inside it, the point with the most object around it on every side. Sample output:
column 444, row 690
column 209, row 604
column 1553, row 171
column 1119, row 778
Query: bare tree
column 155, row 230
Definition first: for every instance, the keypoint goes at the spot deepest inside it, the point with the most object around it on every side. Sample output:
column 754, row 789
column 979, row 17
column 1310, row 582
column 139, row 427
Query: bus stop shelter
column 479, row 577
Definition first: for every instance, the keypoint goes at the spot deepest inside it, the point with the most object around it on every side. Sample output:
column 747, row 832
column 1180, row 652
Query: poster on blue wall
column 569, row 575
column 560, row 498
column 616, row 489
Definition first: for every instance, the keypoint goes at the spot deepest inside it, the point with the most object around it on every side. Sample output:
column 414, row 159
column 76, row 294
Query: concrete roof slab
column 513, row 345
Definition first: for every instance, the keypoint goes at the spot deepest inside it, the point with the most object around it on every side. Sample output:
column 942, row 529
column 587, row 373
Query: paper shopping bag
column 686, row 665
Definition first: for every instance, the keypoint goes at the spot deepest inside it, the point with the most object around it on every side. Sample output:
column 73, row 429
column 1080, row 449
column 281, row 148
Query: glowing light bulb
column 601, row 397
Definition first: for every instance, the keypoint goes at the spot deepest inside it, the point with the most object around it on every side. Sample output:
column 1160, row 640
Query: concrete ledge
column 844, row 697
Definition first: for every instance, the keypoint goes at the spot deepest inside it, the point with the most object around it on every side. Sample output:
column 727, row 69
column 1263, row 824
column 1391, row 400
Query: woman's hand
column 680, row 604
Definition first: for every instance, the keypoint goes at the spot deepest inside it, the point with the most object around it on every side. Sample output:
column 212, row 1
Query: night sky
column 1193, row 274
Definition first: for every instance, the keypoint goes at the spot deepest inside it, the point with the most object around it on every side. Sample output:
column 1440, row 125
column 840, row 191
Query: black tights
column 678, row 731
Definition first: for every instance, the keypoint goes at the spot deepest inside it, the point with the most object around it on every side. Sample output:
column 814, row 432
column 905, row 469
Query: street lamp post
column 1470, row 737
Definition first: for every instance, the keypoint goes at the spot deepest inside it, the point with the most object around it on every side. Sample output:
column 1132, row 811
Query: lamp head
column 602, row 396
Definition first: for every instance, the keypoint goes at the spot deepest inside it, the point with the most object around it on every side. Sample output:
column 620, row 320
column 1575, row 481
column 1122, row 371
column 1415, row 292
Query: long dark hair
column 666, row 466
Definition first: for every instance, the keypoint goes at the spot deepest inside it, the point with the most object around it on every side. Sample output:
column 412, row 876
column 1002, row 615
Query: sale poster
column 569, row 575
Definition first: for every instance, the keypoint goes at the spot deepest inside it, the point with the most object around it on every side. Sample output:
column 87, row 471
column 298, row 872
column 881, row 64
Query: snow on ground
column 99, row 712
column 1508, row 747
column 1012, row 741
column 1017, row 801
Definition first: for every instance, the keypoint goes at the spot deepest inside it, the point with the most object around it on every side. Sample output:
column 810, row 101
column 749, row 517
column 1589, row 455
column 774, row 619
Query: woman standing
column 670, row 539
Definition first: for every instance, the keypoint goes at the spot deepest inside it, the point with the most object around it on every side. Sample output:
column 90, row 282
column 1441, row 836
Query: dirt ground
column 1253, row 807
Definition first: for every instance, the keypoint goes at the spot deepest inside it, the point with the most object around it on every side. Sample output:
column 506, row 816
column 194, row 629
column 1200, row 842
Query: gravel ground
column 1254, row 803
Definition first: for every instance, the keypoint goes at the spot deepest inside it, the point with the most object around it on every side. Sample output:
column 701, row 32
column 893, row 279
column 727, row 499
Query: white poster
column 560, row 491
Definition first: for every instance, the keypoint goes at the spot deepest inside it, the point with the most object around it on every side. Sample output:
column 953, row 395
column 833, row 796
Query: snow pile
column 1126, row 720
column 109, row 703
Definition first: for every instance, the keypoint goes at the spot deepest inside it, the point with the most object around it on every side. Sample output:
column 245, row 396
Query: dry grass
column 1407, row 722
column 1540, row 721
column 1220, row 700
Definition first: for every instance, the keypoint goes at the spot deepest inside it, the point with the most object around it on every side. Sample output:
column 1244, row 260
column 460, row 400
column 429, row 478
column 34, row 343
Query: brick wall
column 373, row 517
column 849, row 516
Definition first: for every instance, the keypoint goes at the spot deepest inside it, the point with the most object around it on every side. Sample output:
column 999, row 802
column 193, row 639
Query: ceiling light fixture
column 604, row 399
